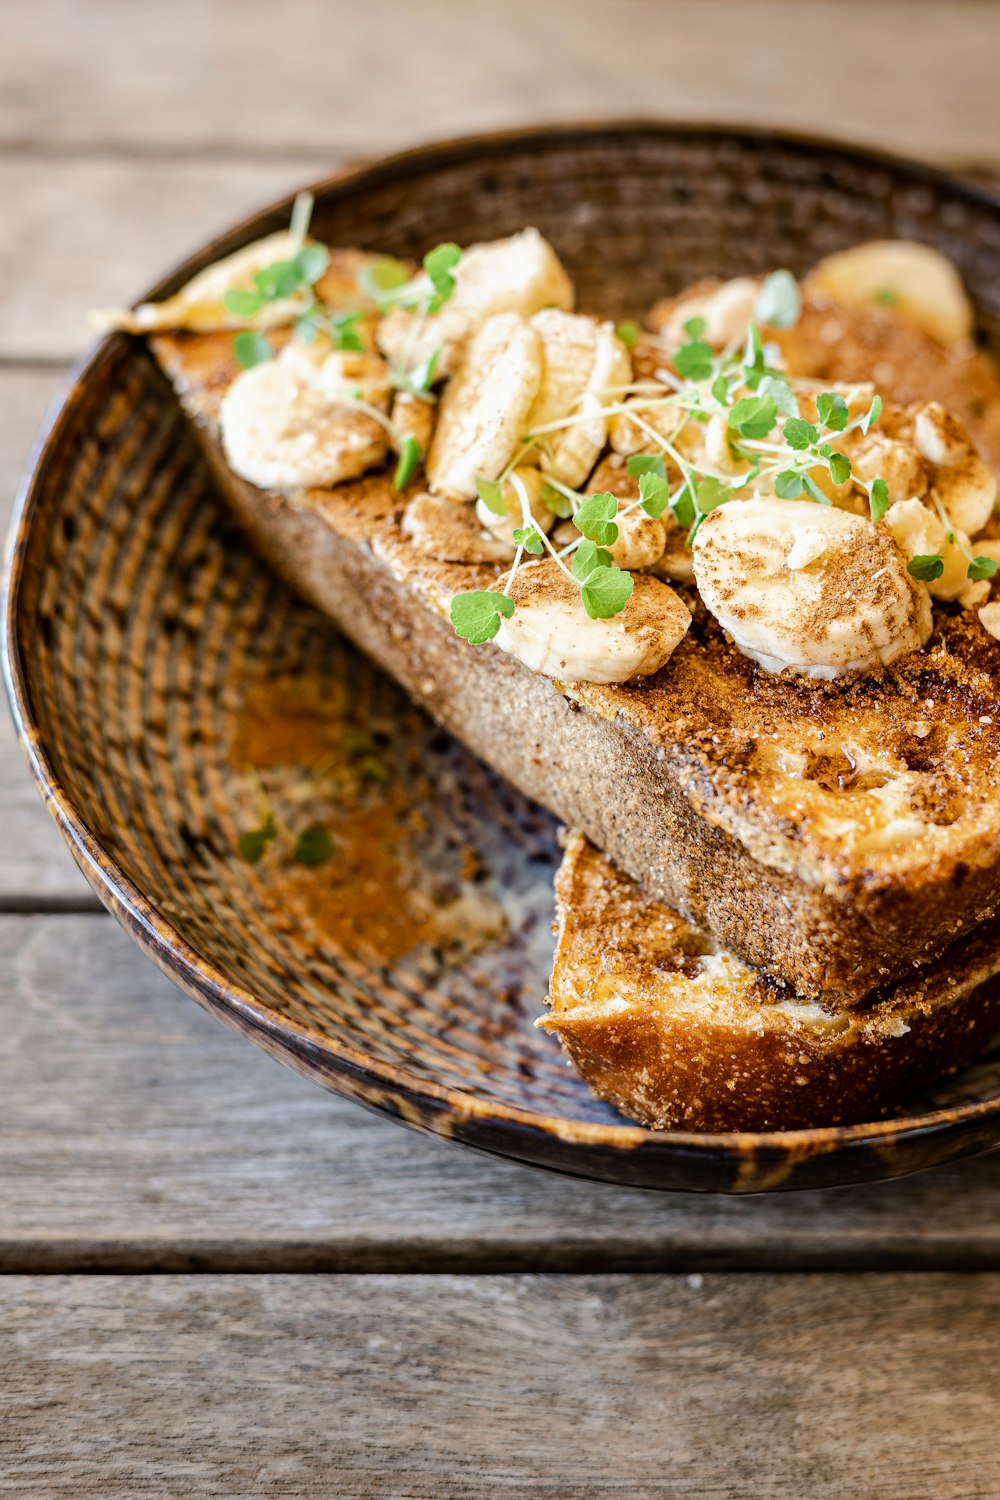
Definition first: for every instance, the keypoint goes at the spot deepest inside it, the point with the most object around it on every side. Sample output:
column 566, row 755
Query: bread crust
column 680, row 778
column 675, row 1034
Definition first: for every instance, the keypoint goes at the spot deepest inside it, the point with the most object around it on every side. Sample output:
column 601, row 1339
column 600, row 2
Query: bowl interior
column 176, row 697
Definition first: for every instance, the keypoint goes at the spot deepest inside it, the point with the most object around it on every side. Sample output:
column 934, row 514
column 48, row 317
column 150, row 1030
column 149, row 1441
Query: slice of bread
column 834, row 835
column 676, row 1032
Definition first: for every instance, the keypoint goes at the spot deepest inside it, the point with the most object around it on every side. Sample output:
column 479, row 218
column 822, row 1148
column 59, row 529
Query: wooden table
column 293, row 1297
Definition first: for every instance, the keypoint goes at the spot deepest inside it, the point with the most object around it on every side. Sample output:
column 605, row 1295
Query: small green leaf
column 799, row 434
column 720, row 390
column 312, row 261
column 420, row 379
column 279, row 280
column 253, row 844
column 840, row 467
column 380, row 277
column 779, row 303
column 490, row 492
column 251, row 348
column 831, row 408
column 982, row 567
column 606, row 593
column 695, row 327
column 781, row 394
column 872, row 415
column 313, row 846
column 628, row 332
column 409, row 459
column 887, row 296
column 595, row 519
column 694, row 361
column 655, row 493
column 439, row 264
column 241, row 303
column 753, row 354
column 558, row 504
column 343, row 331
column 528, row 538
column 753, row 416
column 645, row 463
column 814, row 492
column 878, row 499
column 682, row 507
column 305, row 328
column 476, row 615
column 712, row 493
column 788, row 485
column 926, row 567
column 587, row 556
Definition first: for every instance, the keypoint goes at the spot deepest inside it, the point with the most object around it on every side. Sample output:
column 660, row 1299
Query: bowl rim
column 162, row 941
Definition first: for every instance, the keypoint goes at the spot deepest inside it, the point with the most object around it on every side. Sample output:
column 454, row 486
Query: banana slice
column 919, row 532
column 414, row 418
column 726, row 307
column 290, row 423
column 450, row 533
column 503, row 526
column 551, row 632
column 989, row 617
column 913, row 281
column 483, row 410
column 586, row 365
column 843, row 602
column 964, row 484
column 640, row 542
column 521, row 274
column 200, row 308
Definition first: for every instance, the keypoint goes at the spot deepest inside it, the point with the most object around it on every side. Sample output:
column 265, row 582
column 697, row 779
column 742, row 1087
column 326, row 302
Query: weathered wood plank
column 137, row 1133
column 35, row 867
column 367, row 77
column 414, row 1388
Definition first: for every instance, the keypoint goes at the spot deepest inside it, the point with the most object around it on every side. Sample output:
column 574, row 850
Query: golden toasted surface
column 675, row 1032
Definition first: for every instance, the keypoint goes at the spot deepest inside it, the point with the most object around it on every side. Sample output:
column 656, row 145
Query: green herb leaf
column 831, row 408
column 838, row 464
column 251, row 348
column 312, row 261
column 694, row 361
column 253, row 844
column 813, row 490
column 779, row 303
column 279, row 280
column 712, row 493
column 753, row 416
column 409, row 459
column 878, row 499
column 476, row 615
column 439, row 264
column 421, row 378
column 595, row 519
column 606, row 593
column 720, row 390
column 528, row 538
column 343, row 331
column 628, row 332
column 781, row 394
column 380, row 277
column 872, row 414
column 788, row 485
column 490, row 492
column 559, row 505
column 927, row 566
column 799, row 434
column 645, row 463
column 305, row 328
column 655, row 493
column 242, row 304
column 313, row 846
column 695, row 327
column 587, row 556
column 682, row 507
column 981, row 567
column 753, row 355
column 887, row 296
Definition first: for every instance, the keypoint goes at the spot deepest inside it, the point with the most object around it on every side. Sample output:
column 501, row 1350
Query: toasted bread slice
column 677, row 1033
column 834, row 835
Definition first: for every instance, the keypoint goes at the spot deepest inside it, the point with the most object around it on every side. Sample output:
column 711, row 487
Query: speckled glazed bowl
column 170, row 694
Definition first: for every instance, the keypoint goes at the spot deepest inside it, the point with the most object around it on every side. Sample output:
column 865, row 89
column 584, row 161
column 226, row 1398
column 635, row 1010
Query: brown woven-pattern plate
column 169, row 691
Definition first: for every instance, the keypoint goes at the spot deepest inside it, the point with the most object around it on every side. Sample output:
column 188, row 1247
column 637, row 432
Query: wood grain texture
column 138, row 1134
column 415, row 1388
column 362, row 78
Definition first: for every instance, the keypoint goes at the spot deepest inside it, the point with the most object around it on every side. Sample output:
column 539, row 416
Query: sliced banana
column 640, row 542
column 893, row 460
column 521, row 274
column 200, row 306
column 912, row 281
column 551, row 632
column 989, row 617
column 727, row 308
column 919, row 532
column 502, row 527
column 963, row 483
column 290, row 423
column 850, row 607
column 414, row 418
column 483, row 410
column 586, row 366
column 451, row 533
